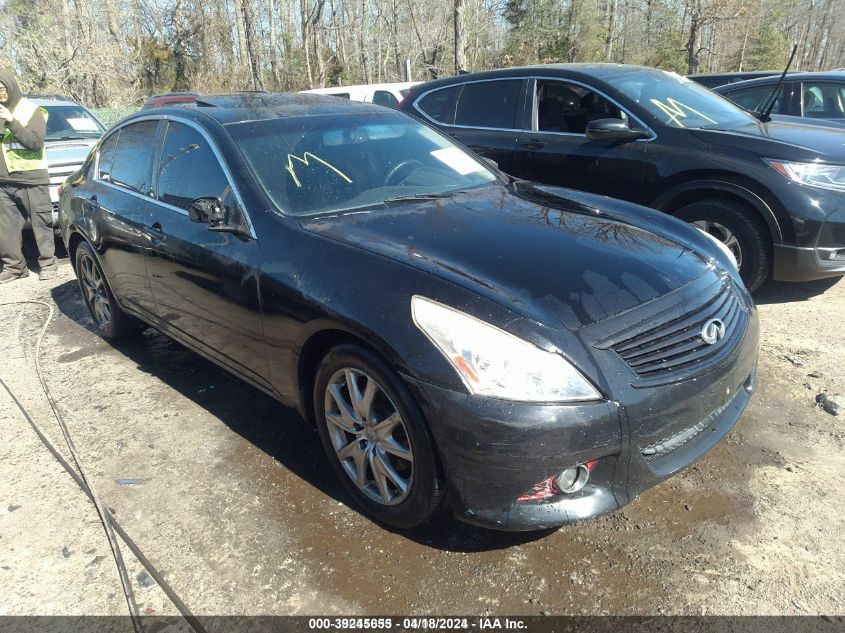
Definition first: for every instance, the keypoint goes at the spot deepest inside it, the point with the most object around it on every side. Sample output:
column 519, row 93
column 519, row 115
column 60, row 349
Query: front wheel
column 111, row 321
column 738, row 229
column 375, row 438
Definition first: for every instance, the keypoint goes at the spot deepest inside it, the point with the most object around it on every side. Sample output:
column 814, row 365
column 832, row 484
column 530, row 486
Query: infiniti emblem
column 712, row 331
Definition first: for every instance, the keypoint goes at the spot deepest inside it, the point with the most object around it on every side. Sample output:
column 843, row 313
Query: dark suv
column 774, row 193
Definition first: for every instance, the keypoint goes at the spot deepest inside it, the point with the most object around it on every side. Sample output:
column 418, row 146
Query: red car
column 170, row 99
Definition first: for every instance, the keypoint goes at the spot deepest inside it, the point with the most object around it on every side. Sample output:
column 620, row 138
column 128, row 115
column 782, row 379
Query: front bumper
column 495, row 451
column 795, row 263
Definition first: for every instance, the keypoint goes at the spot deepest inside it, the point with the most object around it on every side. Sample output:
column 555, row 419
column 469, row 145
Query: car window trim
column 588, row 87
column 461, row 84
column 157, row 156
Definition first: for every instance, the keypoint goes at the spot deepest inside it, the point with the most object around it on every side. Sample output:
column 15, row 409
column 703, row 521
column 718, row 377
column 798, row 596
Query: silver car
column 72, row 130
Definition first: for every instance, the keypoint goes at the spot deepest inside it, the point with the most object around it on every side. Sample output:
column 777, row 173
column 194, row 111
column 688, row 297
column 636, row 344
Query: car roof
column 573, row 71
column 240, row 107
column 833, row 75
column 396, row 85
column 740, row 73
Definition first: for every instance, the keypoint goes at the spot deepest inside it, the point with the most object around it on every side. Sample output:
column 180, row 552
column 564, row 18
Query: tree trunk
column 396, row 53
column 239, row 23
column 693, row 43
column 274, row 51
column 611, row 8
column 251, row 46
column 460, row 47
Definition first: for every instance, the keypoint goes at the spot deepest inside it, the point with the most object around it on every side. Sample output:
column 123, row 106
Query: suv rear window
column 440, row 104
column 489, row 104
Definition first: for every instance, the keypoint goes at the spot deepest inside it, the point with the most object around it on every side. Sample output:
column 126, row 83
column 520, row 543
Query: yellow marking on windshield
column 304, row 160
column 676, row 111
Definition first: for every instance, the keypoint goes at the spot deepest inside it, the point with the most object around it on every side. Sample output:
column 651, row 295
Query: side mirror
column 209, row 211
column 612, row 130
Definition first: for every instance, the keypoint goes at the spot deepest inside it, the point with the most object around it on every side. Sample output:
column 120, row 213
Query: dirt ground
column 227, row 493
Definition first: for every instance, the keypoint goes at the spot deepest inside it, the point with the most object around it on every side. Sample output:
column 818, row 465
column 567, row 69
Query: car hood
column 786, row 141
column 558, row 257
column 68, row 152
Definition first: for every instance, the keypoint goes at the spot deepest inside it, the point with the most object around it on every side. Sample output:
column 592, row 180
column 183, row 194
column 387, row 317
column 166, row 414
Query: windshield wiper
column 766, row 112
column 420, row 196
column 66, row 138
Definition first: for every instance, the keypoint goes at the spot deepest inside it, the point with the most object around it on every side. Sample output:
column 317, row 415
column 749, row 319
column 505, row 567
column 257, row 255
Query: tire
column 747, row 234
column 381, row 495
column 111, row 321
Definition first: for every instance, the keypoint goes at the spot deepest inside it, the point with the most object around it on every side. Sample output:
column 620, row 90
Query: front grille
column 678, row 345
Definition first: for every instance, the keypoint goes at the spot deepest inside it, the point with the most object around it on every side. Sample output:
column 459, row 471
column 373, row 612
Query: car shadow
column 292, row 442
column 787, row 292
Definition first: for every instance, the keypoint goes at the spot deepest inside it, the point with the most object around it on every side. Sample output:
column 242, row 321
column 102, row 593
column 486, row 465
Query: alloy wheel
column 369, row 436
column 724, row 235
column 94, row 289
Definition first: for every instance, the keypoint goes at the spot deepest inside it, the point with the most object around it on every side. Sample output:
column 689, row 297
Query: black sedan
column 816, row 97
column 526, row 354
column 774, row 193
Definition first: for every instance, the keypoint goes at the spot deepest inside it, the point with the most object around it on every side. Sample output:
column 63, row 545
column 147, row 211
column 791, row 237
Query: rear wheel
column 111, row 321
column 375, row 438
column 738, row 229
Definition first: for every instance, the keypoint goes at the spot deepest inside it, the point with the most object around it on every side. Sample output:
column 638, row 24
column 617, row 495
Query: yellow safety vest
column 15, row 155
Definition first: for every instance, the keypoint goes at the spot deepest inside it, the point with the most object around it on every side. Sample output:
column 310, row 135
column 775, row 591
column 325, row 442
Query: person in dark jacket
column 24, row 183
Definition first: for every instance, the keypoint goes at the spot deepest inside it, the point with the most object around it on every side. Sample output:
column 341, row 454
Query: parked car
column 170, row 99
column 533, row 354
column 814, row 96
column 774, row 193
column 713, row 80
column 387, row 94
column 72, row 130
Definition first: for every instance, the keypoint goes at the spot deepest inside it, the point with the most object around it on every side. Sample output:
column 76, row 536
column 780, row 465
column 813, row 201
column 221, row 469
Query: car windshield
column 71, row 122
column 679, row 102
column 324, row 164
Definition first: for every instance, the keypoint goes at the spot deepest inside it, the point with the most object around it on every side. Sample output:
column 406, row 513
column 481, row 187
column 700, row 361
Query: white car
column 388, row 95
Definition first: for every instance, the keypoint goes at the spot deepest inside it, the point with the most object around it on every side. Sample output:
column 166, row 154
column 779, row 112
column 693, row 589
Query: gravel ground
column 229, row 496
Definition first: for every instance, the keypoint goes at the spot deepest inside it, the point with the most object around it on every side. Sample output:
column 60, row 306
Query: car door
column 119, row 202
column 483, row 115
column 555, row 148
column 205, row 282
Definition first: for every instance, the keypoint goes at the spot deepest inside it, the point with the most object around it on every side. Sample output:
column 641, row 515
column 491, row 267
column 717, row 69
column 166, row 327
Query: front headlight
column 821, row 175
column 494, row 363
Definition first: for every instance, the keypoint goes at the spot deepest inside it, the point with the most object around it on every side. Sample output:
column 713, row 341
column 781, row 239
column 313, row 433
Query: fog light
column 572, row 480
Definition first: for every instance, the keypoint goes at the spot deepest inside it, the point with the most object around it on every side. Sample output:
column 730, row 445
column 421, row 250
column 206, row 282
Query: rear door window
column 489, row 104
column 132, row 160
column 106, row 157
column 188, row 168
column 385, row 98
column 440, row 104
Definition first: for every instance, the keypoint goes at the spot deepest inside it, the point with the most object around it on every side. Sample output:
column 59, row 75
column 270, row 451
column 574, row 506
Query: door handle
column 155, row 233
column 532, row 144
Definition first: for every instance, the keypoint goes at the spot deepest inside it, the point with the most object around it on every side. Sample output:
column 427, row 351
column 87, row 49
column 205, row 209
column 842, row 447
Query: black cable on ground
column 110, row 525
